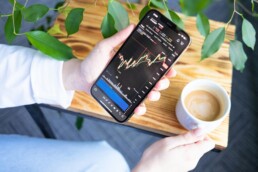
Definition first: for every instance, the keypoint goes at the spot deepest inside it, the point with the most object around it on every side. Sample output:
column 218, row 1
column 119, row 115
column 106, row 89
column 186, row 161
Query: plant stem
column 14, row 4
column 247, row 11
column 14, row 31
column 165, row 5
column 25, row 4
column 53, row 9
column 6, row 15
column 130, row 7
column 232, row 16
column 66, row 4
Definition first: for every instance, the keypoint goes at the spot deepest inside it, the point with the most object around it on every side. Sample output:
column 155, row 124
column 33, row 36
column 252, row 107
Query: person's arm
column 28, row 76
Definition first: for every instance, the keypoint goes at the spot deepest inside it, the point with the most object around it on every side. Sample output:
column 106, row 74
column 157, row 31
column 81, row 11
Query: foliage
column 175, row 18
column 213, row 42
column 108, row 26
column 34, row 12
column 248, row 34
column 79, row 123
column 119, row 14
column 49, row 45
column 202, row 24
column 73, row 20
column 144, row 11
column 117, row 19
column 214, row 39
column 39, row 38
column 12, row 26
column 236, row 50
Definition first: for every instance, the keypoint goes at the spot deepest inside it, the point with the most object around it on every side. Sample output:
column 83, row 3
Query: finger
column 154, row 96
column 162, row 84
column 171, row 73
column 185, row 139
column 140, row 110
column 199, row 148
column 113, row 52
column 119, row 37
column 192, row 153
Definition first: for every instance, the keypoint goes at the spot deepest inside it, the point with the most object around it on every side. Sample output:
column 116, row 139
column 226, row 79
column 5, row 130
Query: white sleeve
column 27, row 76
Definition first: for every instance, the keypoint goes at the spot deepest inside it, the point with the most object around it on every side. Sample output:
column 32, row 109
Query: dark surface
column 40, row 120
column 242, row 151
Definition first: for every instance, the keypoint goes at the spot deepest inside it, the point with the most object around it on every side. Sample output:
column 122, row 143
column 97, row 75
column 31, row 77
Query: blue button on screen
column 112, row 94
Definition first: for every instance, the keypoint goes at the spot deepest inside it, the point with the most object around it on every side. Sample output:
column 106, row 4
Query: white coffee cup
column 189, row 121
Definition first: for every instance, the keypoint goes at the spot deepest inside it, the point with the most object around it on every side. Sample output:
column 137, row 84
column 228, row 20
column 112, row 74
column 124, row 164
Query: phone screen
column 148, row 53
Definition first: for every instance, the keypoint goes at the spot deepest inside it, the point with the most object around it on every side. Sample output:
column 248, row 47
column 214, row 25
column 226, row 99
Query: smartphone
column 148, row 53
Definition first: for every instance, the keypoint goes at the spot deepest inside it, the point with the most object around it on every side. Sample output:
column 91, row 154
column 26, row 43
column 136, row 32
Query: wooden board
column 160, row 116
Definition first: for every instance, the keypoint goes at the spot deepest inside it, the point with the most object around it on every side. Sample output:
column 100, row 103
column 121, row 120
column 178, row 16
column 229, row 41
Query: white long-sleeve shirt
column 27, row 76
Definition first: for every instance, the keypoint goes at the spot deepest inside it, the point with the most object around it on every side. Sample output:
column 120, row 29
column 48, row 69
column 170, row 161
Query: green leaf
column 73, row 20
column 9, row 28
column 108, row 26
column 34, row 12
column 131, row 6
column 119, row 14
column 18, row 6
column 237, row 55
column 248, row 34
column 175, row 18
column 55, row 30
column 144, row 11
column 193, row 7
column 158, row 4
column 79, row 123
column 213, row 42
column 202, row 24
column 49, row 45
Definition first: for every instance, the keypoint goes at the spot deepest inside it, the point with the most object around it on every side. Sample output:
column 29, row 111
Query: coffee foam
column 203, row 105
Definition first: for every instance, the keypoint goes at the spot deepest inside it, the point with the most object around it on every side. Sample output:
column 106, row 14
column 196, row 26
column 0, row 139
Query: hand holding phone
column 149, row 52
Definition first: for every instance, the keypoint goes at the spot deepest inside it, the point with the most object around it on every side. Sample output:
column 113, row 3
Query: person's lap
column 22, row 153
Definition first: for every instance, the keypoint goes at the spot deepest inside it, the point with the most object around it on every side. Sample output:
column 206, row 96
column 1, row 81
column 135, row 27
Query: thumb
column 119, row 37
column 185, row 139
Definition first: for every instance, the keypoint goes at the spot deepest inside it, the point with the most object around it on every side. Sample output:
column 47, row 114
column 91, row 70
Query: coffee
column 203, row 105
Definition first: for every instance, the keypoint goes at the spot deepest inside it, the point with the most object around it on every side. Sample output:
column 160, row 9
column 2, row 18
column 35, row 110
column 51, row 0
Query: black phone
column 152, row 48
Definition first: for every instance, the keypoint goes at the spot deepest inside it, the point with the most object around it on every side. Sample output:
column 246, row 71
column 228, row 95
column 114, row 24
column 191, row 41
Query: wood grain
column 160, row 116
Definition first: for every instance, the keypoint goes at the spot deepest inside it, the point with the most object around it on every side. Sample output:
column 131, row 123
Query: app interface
column 138, row 65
